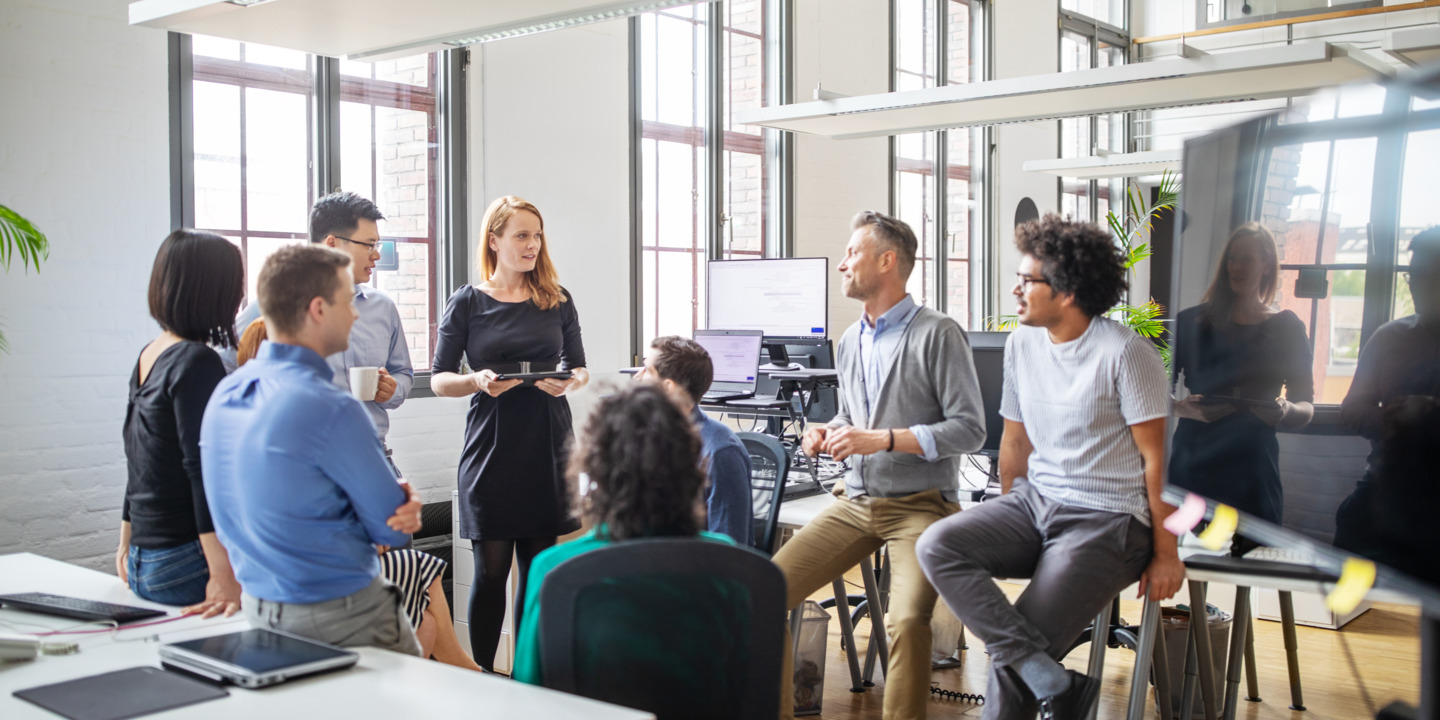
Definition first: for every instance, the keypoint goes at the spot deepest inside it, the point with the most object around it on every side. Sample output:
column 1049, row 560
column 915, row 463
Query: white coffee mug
column 363, row 382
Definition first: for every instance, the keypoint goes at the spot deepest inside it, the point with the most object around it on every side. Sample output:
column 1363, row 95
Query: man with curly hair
column 1084, row 404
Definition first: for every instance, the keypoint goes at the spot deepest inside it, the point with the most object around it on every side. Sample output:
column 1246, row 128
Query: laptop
column 735, row 355
column 254, row 658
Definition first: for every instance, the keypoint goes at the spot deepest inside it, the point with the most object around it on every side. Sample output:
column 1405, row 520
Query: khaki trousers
column 837, row 540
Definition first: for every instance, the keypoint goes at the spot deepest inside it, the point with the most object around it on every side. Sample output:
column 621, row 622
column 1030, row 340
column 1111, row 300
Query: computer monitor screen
column 988, row 349
column 1306, row 258
column 782, row 297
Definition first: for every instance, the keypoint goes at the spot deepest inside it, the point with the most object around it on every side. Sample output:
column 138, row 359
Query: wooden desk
column 384, row 684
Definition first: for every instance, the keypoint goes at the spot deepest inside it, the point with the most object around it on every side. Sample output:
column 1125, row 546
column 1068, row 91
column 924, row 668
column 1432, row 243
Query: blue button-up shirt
column 878, row 344
column 297, row 481
column 376, row 340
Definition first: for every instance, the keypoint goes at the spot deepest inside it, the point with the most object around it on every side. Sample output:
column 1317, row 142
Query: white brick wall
column 84, row 153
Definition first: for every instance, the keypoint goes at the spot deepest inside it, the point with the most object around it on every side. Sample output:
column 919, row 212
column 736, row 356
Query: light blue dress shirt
column 376, row 340
column 878, row 344
column 297, row 481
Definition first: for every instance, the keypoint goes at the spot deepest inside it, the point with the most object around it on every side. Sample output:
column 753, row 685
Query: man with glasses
column 1085, row 403
column 346, row 222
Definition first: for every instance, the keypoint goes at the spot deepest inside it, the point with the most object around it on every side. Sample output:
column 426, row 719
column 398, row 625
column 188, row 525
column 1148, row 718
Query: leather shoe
column 1075, row 702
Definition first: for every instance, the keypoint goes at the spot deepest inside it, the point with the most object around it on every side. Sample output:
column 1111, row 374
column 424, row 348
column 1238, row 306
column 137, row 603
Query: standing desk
column 382, row 684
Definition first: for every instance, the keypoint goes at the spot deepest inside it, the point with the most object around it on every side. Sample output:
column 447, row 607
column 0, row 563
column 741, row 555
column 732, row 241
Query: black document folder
column 120, row 694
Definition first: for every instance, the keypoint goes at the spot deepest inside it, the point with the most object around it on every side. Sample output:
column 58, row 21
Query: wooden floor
column 1385, row 643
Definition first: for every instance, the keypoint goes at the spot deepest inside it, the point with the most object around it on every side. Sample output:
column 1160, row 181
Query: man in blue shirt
column 299, row 486
column 347, row 222
column 684, row 369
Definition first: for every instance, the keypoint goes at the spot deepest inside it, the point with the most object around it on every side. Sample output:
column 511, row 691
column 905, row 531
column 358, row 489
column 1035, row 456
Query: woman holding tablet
column 168, row 551
column 515, row 326
column 1236, row 353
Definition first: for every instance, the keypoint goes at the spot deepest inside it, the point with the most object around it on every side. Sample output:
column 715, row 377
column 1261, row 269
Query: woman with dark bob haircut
column 638, row 459
column 168, row 552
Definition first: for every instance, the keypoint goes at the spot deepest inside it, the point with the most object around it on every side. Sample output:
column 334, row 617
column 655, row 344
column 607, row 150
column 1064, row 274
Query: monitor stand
column 779, row 359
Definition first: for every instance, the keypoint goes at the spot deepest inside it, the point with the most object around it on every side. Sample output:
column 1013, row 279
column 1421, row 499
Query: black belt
column 519, row 367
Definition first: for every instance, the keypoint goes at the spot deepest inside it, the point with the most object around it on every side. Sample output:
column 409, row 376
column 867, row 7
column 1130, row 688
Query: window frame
column 1095, row 33
column 982, row 244
column 774, row 148
column 449, row 223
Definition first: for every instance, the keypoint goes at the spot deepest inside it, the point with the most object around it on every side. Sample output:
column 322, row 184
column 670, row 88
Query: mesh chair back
column 769, row 464
column 680, row 627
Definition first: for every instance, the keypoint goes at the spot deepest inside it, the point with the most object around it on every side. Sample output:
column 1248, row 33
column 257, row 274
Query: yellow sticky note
column 1357, row 576
column 1222, row 527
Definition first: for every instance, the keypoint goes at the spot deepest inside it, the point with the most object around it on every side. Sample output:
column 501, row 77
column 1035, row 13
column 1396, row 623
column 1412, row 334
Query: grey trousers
column 372, row 616
column 1077, row 561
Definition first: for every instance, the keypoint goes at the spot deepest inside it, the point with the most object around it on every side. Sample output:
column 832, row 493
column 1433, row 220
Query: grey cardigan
column 931, row 381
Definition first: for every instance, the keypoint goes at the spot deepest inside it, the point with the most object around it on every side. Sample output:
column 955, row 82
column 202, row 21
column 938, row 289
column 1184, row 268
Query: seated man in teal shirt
column 297, row 481
column 637, row 446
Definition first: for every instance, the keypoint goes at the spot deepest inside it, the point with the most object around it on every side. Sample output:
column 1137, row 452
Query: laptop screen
column 735, row 354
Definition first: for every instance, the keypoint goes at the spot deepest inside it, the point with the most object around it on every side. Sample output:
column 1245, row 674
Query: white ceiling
column 374, row 29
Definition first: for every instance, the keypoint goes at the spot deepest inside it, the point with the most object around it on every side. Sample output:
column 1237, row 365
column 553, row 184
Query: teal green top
column 527, row 643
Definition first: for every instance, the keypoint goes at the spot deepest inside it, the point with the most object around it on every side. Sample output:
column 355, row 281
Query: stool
column 1149, row 647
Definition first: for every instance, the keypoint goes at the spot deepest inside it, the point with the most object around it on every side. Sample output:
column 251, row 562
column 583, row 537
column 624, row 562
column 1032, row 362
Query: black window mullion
column 1383, row 248
column 326, row 126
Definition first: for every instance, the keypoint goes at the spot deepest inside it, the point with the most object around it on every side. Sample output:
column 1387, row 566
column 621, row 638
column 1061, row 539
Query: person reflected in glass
column 1235, row 353
column 1396, row 379
column 514, row 500
column 168, row 552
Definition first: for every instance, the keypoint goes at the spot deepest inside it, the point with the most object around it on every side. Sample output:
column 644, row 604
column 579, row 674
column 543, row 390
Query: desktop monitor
column 988, row 349
column 786, row 298
column 1333, row 192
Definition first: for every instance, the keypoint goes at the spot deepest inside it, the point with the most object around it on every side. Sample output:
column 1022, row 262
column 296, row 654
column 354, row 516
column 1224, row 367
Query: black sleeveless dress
column 512, row 469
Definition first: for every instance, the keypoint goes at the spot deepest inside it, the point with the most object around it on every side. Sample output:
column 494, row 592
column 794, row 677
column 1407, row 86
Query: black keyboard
column 77, row 608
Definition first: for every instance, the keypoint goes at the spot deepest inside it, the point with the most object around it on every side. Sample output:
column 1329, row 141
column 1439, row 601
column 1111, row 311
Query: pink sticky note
column 1187, row 516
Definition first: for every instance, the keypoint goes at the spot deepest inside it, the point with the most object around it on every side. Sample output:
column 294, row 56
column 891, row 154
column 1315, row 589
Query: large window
column 274, row 129
column 941, row 43
column 1086, row 42
column 1319, row 199
column 699, row 200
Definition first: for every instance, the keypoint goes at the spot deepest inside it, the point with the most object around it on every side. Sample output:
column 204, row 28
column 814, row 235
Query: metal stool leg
column 878, row 641
column 1292, row 650
column 1187, row 692
column 847, row 632
column 1200, row 630
column 1161, row 665
column 1149, row 627
column 1252, row 676
column 1099, row 637
column 1237, row 650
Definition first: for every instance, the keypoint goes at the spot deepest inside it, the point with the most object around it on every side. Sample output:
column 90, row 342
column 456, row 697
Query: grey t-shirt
column 1078, row 400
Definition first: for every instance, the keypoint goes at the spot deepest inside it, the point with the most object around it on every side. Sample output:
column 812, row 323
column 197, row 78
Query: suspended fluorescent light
column 246, row 3
column 1173, row 82
column 1113, row 165
column 531, row 26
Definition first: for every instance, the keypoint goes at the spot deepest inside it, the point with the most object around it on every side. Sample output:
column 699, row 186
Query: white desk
column 383, row 684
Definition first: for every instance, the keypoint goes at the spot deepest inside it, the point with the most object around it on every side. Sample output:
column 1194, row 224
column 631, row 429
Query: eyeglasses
column 1025, row 281
column 371, row 246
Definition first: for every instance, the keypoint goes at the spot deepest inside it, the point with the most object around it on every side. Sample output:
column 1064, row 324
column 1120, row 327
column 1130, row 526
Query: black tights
column 487, row 596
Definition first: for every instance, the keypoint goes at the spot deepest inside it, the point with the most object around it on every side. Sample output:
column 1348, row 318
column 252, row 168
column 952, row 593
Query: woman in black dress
column 513, row 496
column 168, row 551
column 1236, row 353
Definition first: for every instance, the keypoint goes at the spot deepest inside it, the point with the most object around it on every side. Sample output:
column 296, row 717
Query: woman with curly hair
column 638, row 461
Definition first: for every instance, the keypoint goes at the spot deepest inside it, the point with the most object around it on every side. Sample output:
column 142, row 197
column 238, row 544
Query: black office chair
column 769, row 465
column 680, row 627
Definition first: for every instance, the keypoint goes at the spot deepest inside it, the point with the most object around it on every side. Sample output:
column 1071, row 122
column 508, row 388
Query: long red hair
column 542, row 282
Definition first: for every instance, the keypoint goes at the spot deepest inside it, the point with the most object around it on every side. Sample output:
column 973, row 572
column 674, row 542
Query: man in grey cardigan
column 909, row 409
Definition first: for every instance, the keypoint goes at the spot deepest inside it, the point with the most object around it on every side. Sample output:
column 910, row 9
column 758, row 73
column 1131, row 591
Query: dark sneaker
column 1074, row 703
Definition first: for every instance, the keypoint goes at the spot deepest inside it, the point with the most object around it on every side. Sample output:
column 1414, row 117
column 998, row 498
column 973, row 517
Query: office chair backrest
column 680, row 627
column 769, row 464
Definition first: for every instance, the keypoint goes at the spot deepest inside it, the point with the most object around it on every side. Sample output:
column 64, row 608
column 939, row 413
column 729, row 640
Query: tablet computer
column 254, row 658
column 533, row 376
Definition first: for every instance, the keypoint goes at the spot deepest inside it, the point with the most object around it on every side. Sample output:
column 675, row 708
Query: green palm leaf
column 18, row 236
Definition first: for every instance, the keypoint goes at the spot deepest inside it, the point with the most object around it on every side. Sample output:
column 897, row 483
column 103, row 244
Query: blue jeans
column 172, row 576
